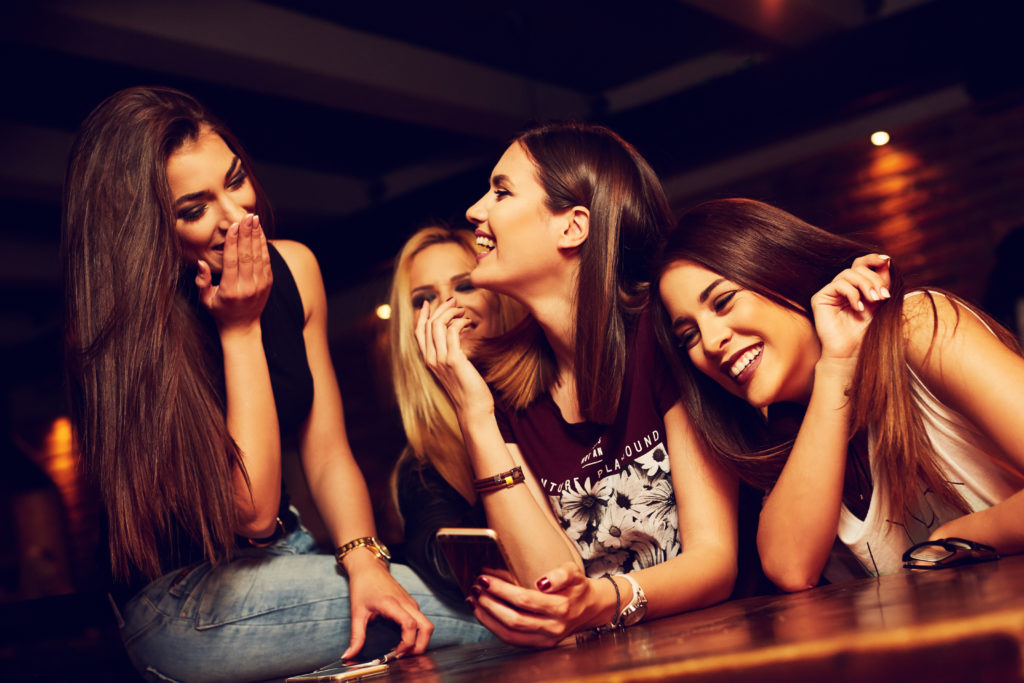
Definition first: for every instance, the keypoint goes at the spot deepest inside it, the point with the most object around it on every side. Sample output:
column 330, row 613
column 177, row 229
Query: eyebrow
column 680, row 321
column 710, row 288
column 500, row 179
column 202, row 193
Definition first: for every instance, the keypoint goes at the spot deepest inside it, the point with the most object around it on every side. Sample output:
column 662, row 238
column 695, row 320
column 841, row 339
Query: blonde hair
column 428, row 416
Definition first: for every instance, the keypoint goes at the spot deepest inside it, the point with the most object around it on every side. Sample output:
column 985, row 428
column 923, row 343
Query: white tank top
column 964, row 455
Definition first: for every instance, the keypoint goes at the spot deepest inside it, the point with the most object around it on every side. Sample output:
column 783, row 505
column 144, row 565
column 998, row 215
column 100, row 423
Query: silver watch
column 637, row 607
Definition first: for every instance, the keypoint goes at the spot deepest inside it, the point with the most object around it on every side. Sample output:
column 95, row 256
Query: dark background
column 366, row 120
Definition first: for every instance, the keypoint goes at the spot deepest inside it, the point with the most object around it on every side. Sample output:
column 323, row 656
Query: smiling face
column 757, row 349
column 210, row 190
column 441, row 271
column 514, row 225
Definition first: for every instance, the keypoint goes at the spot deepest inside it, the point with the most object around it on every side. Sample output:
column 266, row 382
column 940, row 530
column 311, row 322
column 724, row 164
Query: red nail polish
column 543, row 583
column 484, row 581
column 475, row 589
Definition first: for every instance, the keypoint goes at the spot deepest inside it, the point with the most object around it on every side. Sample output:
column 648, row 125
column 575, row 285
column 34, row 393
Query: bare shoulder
column 305, row 270
column 937, row 324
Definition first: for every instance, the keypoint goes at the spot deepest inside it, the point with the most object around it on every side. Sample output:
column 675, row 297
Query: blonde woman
column 433, row 482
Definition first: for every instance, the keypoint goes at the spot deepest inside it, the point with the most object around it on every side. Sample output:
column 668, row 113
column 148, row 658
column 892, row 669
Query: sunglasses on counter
column 947, row 552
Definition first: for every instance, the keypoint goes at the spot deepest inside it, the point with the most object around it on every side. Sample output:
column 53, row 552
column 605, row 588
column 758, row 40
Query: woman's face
column 210, row 190
column 514, row 226
column 442, row 271
column 758, row 350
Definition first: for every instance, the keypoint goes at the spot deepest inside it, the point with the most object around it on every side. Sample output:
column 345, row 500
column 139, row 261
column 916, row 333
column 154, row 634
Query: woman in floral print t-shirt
column 599, row 529
column 609, row 486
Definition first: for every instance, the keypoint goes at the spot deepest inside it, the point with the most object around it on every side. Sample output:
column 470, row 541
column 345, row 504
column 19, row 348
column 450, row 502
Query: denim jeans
column 270, row 613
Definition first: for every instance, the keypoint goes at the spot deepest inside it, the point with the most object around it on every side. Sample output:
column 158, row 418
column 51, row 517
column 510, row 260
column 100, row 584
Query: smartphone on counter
column 471, row 552
column 340, row 671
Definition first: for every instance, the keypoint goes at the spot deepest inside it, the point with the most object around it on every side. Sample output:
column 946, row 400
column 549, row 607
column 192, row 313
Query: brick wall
column 938, row 198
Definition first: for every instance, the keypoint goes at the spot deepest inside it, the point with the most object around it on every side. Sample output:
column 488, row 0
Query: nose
column 714, row 336
column 231, row 212
column 477, row 213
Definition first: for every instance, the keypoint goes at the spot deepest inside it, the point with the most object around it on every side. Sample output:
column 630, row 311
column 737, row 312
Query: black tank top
column 282, row 323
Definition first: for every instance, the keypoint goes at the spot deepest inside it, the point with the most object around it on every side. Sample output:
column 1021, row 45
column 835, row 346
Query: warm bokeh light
column 384, row 312
column 879, row 138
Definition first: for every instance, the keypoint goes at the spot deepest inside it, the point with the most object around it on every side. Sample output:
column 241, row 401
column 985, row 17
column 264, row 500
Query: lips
column 484, row 241
column 741, row 365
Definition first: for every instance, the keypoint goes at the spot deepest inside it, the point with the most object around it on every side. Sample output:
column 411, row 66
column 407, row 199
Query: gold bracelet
column 500, row 481
column 371, row 543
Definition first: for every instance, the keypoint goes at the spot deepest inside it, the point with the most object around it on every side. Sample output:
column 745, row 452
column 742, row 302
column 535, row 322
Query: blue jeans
column 269, row 613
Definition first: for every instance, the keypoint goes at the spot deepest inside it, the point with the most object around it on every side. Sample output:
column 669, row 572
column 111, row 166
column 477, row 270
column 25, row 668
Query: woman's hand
column 843, row 309
column 438, row 339
column 374, row 592
column 245, row 281
column 566, row 602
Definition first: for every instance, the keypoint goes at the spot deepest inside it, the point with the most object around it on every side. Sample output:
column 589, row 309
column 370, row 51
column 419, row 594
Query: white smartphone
column 340, row 671
column 471, row 552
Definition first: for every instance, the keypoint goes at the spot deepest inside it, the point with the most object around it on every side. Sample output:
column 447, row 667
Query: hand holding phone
column 471, row 552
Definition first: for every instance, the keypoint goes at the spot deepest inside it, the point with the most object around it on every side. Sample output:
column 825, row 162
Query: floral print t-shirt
column 609, row 485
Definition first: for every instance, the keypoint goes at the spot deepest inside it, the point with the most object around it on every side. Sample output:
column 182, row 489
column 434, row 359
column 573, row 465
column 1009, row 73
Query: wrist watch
column 371, row 543
column 637, row 607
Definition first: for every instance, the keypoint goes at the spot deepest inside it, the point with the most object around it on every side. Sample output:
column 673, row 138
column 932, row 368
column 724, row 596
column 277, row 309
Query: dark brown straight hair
column 581, row 164
column 143, row 389
column 771, row 252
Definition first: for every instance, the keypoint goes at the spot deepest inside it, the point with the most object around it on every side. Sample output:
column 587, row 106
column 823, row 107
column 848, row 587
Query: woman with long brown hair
column 433, row 479
column 583, row 457
column 194, row 346
column 905, row 400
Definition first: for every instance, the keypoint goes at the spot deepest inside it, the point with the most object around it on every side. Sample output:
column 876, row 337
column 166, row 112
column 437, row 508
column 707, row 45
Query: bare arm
column 970, row 370
column 334, row 478
column 520, row 514
column 236, row 304
column 567, row 601
column 801, row 514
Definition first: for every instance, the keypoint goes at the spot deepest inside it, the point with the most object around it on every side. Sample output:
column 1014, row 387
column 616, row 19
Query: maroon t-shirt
column 609, row 485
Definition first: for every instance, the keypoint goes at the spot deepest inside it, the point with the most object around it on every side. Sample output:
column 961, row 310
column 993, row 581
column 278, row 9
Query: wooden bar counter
column 959, row 624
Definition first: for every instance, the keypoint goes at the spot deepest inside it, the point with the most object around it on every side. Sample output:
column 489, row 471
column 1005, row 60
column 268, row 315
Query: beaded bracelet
column 500, row 481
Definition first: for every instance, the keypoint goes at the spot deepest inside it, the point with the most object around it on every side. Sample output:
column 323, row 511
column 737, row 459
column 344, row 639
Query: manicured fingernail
column 543, row 583
column 885, row 257
column 484, row 581
column 860, row 305
column 885, row 293
column 476, row 589
column 873, row 295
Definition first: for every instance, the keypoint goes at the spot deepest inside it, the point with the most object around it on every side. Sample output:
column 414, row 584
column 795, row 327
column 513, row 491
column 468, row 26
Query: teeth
column 485, row 242
column 743, row 361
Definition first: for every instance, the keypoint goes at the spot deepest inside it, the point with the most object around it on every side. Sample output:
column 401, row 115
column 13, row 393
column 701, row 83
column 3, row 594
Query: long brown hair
column 431, row 427
column 143, row 392
column 771, row 252
column 581, row 164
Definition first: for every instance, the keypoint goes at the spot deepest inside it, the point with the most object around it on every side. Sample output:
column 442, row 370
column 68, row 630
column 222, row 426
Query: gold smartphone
column 471, row 552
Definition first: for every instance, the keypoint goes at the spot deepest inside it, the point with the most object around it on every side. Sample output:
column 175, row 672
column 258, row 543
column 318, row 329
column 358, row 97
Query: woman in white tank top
column 909, row 428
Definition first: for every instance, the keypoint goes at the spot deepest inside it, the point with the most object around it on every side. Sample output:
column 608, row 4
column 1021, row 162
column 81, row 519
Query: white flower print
column 654, row 461
column 657, row 504
column 608, row 562
column 583, row 504
column 615, row 527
